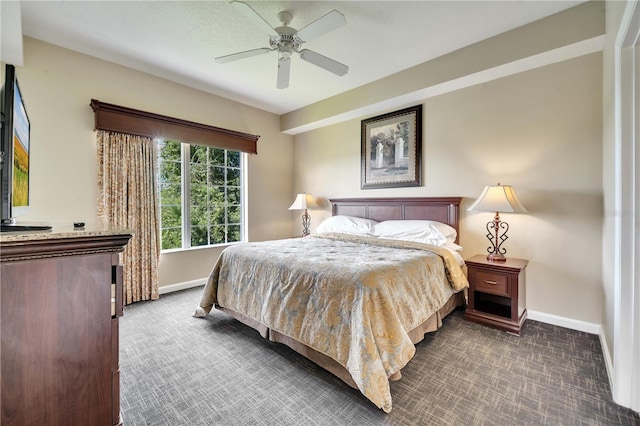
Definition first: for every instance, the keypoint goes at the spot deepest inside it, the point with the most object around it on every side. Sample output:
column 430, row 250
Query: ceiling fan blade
column 252, row 15
column 322, row 25
column 284, row 66
column 324, row 62
column 242, row 55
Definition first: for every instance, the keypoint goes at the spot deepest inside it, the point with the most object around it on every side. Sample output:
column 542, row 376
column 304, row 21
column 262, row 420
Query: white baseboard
column 608, row 362
column 587, row 327
column 181, row 286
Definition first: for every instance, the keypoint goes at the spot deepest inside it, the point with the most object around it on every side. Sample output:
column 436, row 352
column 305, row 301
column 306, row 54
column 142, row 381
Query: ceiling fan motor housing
column 287, row 37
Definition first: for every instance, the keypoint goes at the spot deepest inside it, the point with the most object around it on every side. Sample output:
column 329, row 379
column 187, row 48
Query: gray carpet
column 180, row 370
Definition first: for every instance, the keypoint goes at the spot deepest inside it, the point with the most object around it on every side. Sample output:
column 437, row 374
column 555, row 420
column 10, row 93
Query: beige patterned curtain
column 127, row 199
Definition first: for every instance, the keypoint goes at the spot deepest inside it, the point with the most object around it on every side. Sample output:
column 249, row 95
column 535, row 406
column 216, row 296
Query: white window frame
column 185, row 165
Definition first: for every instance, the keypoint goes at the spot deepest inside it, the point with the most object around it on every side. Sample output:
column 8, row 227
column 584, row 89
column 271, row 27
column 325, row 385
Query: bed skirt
column 416, row 335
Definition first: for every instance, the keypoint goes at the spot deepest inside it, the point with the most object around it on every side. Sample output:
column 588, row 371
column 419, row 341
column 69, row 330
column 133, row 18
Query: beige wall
column 539, row 131
column 58, row 85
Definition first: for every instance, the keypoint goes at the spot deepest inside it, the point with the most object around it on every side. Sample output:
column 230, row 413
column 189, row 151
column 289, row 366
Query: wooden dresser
column 60, row 299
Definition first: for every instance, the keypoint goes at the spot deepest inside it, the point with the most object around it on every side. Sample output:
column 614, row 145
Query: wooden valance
column 121, row 119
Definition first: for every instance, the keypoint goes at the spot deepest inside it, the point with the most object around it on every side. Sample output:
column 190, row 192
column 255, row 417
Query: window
column 200, row 195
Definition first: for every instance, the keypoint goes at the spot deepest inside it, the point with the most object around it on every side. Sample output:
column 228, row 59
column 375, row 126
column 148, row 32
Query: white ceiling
column 178, row 40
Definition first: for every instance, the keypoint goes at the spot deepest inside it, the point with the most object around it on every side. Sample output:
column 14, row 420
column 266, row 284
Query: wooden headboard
column 442, row 209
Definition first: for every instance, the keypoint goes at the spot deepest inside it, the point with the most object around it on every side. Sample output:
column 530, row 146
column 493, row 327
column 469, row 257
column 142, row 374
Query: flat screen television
column 14, row 154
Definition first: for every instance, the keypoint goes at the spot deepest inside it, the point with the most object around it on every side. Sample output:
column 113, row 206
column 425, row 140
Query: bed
column 354, row 304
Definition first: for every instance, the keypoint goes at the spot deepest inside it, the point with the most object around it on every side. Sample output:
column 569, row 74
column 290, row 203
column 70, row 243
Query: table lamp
column 499, row 199
column 304, row 201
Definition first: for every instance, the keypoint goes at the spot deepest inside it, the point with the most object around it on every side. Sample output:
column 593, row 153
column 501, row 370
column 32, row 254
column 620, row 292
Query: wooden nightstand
column 497, row 293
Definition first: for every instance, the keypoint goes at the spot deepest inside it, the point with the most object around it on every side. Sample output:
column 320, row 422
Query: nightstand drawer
column 490, row 282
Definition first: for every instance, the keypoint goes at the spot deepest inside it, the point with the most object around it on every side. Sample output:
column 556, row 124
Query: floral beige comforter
column 350, row 298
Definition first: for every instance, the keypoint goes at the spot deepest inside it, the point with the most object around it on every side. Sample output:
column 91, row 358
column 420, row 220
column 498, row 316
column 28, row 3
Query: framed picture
column 392, row 149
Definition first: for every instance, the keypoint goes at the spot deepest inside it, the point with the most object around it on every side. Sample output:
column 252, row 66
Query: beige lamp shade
column 498, row 198
column 303, row 201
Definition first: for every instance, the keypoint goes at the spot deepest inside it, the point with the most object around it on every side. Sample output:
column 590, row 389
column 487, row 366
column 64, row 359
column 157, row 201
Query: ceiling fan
column 286, row 40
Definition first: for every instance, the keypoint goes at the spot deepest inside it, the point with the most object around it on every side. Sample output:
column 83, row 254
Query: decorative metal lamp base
column 306, row 223
column 496, row 253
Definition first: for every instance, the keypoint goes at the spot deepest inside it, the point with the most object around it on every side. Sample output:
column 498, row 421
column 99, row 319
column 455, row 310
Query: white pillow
column 421, row 231
column 346, row 225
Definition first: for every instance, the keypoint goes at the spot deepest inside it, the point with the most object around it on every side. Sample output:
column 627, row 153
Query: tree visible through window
column 200, row 191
